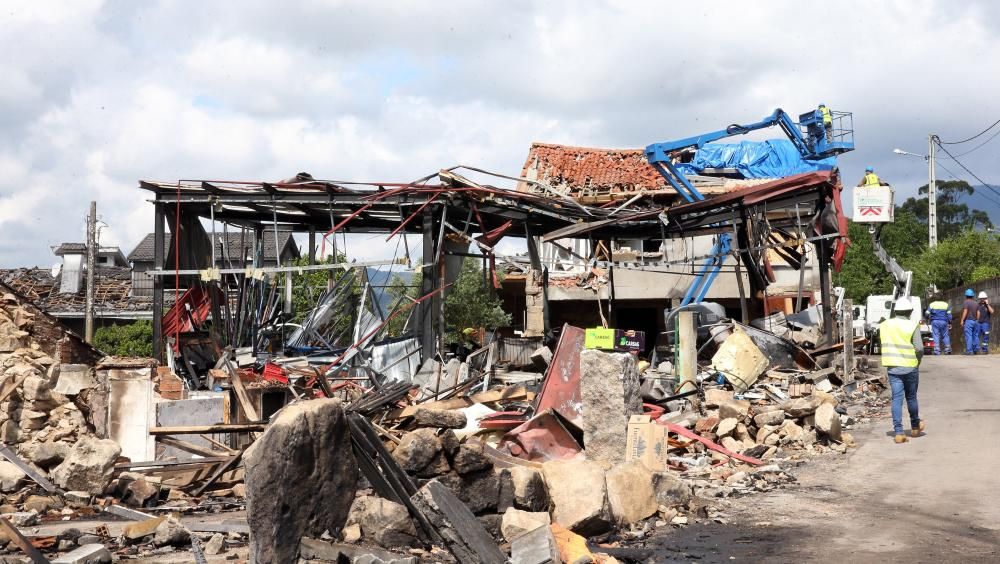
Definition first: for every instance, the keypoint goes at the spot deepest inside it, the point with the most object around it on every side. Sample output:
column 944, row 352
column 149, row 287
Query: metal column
column 159, row 246
column 428, row 281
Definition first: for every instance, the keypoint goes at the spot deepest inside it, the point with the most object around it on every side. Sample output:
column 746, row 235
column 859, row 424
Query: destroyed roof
column 112, row 293
column 237, row 245
column 578, row 168
column 69, row 248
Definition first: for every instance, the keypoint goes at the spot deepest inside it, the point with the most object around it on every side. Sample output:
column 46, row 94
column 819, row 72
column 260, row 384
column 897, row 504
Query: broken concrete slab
column 630, row 492
column 828, row 421
column 313, row 549
column 74, row 378
column 535, row 547
column 716, row 396
column 516, row 523
column 609, row 393
column 577, row 490
column 86, row 554
column 89, row 465
column 740, row 360
column 299, row 482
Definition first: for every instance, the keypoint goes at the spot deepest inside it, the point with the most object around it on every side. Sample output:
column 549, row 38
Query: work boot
column 917, row 430
column 901, row 439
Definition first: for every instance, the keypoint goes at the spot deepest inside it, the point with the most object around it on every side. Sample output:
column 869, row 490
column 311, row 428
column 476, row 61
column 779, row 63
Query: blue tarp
column 775, row 158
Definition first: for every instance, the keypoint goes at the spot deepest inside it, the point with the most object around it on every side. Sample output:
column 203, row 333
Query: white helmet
column 903, row 304
column 983, row 296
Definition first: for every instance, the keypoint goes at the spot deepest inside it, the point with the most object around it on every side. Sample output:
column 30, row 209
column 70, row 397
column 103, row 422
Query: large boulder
column 630, row 492
column 609, row 394
column 386, row 522
column 516, row 522
column 88, row 466
column 11, row 477
column 828, row 421
column 530, row 492
column 440, row 418
column 301, row 475
column 471, row 458
column 670, row 489
column 578, row 494
column 417, row 449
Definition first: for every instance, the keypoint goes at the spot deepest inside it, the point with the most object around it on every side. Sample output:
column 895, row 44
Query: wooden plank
column 687, row 351
column 189, row 447
column 233, row 461
column 199, row 429
column 9, row 385
column 21, row 542
column 24, row 467
column 241, row 394
column 219, row 445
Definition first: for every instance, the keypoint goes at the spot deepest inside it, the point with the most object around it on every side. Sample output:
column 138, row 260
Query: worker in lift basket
column 970, row 322
column 827, row 122
column 939, row 315
column 983, row 314
column 902, row 351
column 871, row 179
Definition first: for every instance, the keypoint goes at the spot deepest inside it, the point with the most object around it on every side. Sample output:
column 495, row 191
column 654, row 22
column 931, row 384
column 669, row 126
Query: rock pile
column 46, row 428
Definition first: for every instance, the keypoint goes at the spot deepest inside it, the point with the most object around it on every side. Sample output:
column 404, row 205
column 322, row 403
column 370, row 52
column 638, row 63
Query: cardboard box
column 647, row 441
column 599, row 338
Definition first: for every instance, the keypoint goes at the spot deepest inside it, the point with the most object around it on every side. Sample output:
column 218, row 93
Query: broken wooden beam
column 19, row 540
column 199, row 429
column 190, row 447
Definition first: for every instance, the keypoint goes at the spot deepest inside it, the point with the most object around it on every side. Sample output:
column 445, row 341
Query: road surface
column 933, row 499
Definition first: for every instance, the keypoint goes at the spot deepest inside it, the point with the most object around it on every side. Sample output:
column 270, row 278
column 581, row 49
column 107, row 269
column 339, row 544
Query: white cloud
column 101, row 94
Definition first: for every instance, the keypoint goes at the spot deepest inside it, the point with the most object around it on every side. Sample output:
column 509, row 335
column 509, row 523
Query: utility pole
column 931, row 194
column 88, row 332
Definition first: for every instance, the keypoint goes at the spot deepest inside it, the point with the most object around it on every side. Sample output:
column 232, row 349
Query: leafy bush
column 134, row 339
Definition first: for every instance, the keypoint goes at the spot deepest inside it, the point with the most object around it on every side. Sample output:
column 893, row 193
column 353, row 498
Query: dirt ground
column 933, row 499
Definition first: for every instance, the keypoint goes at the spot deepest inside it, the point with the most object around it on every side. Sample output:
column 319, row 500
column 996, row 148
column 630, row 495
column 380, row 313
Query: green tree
column 863, row 274
column 957, row 261
column 953, row 216
column 469, row 304
column 984, row 272
column 134, row 339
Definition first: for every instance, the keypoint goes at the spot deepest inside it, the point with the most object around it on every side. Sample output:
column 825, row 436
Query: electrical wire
column 955, row 176
column 966, row 169
column 977, row 147
column 970, row 138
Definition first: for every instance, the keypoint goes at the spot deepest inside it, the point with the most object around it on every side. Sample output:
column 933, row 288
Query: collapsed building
column 663, row 353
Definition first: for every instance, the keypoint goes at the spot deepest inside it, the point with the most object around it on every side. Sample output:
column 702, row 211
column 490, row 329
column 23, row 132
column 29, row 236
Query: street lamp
column 932, row 237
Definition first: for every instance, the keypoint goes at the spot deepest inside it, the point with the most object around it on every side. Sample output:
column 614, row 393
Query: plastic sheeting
column 775, row 158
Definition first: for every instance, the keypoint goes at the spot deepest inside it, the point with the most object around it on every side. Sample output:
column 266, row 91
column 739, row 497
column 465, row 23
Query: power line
column 966, row 169
column 955, row 176
column 992, row 137
column 970, row 138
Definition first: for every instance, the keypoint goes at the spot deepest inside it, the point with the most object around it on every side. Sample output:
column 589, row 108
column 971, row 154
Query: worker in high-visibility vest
column 939, row 315
column 871, row 179
column 902, row 351
column 827, row 122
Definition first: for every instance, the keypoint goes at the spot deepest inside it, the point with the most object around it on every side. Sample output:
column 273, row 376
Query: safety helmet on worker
column 822, row 105
column 869, row 169
column 903, row 304
column 983, row 296
column 969, row 293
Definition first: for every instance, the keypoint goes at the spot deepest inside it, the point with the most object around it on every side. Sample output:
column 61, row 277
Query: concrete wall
column 956, row 297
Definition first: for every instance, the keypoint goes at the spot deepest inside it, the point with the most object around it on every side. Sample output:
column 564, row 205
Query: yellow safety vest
column 896, row 336
column 872, row 179
column 827, row 118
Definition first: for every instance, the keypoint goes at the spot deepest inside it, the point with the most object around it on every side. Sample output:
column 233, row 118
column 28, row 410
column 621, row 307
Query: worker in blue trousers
column 939, row 315
column 902, row 351
column 970, row 323
column 983, row 314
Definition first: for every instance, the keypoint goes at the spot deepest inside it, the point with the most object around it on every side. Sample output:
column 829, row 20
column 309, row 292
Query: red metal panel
column 176, row 320
column 561, row 389
column 543, row 437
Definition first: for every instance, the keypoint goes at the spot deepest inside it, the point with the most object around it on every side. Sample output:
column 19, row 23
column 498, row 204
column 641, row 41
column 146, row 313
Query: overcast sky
column 97, row 95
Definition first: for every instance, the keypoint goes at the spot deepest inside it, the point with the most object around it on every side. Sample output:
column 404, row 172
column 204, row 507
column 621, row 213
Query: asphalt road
column 933, row 499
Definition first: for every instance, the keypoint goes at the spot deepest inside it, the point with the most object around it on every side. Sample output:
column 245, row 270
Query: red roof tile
column 577, row 168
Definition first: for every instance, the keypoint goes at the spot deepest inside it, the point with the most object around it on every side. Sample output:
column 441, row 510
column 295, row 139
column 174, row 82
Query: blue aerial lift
column 809, row 136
